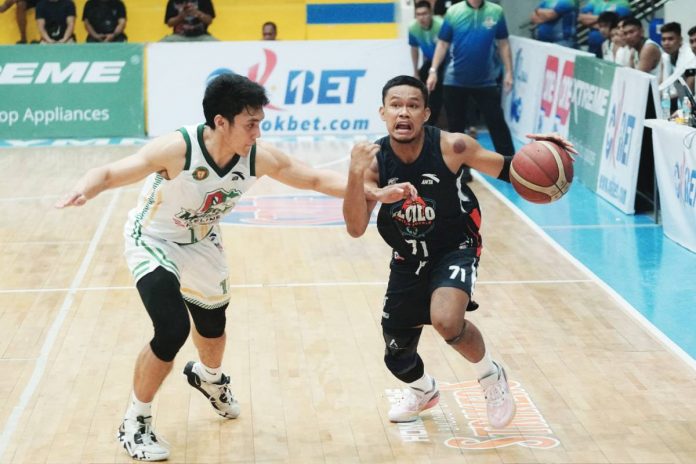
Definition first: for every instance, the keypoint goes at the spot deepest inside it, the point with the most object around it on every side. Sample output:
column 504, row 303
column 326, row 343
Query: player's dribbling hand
column 556, row 138
column 71, row 199
column 396, row 192
column 362, row 155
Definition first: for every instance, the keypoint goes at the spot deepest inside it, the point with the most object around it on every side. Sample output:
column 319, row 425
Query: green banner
column 72, row 91
column 590, row 107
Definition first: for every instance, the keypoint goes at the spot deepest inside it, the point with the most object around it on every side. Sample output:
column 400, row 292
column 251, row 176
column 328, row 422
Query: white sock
column 209, row 374
column 138, row 408
column 424, row 384
column 485, row 366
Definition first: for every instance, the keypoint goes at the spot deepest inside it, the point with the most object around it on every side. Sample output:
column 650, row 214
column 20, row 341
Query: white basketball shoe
column 413, row 403
column 219, row 394
column 140, row 441
column 500, row 405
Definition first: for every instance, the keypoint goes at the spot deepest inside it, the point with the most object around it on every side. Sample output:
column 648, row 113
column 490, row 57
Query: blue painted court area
column 628, row 253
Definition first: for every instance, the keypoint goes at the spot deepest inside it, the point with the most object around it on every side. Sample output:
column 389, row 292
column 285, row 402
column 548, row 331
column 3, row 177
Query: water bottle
column 687, row 110
column 666, row 105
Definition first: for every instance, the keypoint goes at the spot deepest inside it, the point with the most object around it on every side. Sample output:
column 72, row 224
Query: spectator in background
column 691, row 72
column 607, row 22
column 440, row 6
column 105, row 20
column 20, row 15
column 692, row 39
column 189, row 20
column 55, row 20
column 589, row 14
column 676, row 55
column 555, row 21
column 269, row 31
column 648, row 57
column 422, row 35
column 476, row 30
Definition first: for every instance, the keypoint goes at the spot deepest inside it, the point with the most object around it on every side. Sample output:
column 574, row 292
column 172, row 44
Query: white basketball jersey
column 185, row 209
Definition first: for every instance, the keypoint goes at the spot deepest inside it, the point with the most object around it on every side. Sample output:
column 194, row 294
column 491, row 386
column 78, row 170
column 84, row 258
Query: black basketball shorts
column 407, row 301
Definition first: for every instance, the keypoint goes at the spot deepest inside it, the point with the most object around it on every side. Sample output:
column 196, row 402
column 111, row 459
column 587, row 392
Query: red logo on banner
column 565, row 92
column 549, row 91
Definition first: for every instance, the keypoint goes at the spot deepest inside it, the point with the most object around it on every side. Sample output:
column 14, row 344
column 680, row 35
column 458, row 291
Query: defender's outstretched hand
column 396, row 192
column 71, row 199
column 556, row 138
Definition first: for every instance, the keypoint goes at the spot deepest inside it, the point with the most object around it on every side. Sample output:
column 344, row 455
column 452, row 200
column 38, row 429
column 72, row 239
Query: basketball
column 541, row 172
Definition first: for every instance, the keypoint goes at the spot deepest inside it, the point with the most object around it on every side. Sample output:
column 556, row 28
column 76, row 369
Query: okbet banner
column 623, row 138
column 89, row 90
column 589, row 110
column 314, row 87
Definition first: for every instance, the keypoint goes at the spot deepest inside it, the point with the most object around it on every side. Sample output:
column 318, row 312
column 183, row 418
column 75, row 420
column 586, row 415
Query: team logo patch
column 489, row 22
column 414, row 217
column 200, row 173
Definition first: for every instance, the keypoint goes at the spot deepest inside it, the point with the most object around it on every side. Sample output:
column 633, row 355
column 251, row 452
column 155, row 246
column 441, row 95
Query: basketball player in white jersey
column 173, row 248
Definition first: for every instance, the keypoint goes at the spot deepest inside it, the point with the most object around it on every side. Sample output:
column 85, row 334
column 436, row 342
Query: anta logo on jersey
column 215, row 205
column 430, row 179
column 415, row 218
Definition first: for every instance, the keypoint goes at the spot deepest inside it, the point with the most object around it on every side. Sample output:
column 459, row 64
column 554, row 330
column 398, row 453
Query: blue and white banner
column 623, row 138
column 337, row 91
column 675, row 168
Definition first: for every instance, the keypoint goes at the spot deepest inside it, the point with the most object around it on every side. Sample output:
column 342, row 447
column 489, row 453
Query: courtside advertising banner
column 623, row 138
column 88, row 90
column 675, row 169
column 327, row 87
column 588, row 118
column 557, row 89
column 521, row 104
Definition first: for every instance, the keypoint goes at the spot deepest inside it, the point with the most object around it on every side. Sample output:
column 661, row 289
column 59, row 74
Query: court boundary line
column 30, row 388
column 632, row 312
column 375, row 283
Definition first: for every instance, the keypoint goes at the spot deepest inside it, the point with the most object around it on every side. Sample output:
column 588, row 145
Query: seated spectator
column 20, row 15
column 56, row 21
column 589, row 14
column 269, row 31
column 555, row 21
column 691, row 72
column 189, row 20
column 677, row 55
column 606, row 22
column 623, row 54
column 649, row 54
column 105, row 20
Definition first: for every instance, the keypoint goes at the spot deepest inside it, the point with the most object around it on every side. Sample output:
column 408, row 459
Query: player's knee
column 452, row 333
column 170, row 337
column 449, row 327
column 210, row 323
column 401, row 356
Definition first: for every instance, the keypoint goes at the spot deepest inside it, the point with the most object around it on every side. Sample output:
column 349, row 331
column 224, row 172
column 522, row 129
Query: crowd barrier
column 600, row 107
column 675, row 168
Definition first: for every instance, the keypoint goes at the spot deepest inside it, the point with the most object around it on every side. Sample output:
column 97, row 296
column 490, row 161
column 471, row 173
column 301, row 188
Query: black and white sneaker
column 138, row 438
column 219, row 394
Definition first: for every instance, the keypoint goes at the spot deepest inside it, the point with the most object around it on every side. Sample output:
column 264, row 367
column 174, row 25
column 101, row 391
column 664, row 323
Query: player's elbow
column 355, row 230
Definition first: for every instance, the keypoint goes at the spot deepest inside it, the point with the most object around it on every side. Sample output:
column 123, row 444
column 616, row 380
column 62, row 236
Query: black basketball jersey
column 445, row 216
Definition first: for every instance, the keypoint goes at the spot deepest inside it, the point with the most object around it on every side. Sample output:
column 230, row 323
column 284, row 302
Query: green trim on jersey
column 203, row 305
column 184, row 132
column 138, row 222
column 252, row 161
column 221, row 172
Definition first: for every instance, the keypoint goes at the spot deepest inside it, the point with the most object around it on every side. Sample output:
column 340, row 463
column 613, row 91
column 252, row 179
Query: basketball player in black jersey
column 435, row 240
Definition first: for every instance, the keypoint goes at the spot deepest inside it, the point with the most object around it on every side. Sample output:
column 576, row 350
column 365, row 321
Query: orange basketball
column 541, row 172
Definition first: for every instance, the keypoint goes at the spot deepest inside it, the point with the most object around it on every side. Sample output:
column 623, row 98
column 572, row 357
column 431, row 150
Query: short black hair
column 632, row 21
column 608, row 17
column 228, row 95
column 692, row 31
column 405, row 80
column 671, row 27
column 422, row 4
column 270, row 23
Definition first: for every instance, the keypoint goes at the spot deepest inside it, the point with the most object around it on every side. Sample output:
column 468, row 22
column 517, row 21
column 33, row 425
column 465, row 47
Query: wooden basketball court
column 305, row 346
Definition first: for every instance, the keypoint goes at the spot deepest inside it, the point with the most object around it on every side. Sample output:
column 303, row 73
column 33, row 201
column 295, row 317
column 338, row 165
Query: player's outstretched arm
column 166, row 154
